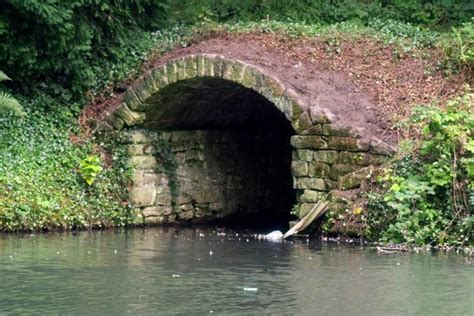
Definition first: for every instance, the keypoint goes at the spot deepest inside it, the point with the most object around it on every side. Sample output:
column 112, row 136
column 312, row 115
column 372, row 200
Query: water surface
column 202, row 271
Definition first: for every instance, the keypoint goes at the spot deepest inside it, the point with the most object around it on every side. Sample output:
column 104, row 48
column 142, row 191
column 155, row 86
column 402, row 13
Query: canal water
column 170, row 271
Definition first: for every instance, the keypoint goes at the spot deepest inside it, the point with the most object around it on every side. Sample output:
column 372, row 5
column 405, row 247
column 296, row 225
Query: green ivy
column 428, row 192
column 41, row 183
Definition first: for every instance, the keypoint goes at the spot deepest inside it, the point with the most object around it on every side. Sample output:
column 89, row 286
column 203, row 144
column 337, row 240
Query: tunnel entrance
column 223, row 152
column 212, row 136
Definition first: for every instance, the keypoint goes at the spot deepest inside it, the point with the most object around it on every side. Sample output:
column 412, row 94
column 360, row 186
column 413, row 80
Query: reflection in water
column 192, row 271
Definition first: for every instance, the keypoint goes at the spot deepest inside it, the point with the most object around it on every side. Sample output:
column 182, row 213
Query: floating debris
column 250, row 289
column 176, row 276
column 391, row 249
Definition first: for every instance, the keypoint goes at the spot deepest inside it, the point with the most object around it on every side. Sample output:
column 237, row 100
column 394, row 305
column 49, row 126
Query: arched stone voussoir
column 136, row 97
column 129, row 117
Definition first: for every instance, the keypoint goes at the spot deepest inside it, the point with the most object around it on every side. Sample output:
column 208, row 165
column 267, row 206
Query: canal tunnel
column 225, row 152
column 215, row 138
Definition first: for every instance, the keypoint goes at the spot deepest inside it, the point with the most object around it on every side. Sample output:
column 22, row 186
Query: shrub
column 59, row 44
column 459, row 49
column 41, row 181
column 424, row 12
column 428, row 191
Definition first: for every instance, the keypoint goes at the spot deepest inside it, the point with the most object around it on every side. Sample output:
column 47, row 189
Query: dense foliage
column 43, row 178
column 426, row 12
column 62, row 45
column 428, row 192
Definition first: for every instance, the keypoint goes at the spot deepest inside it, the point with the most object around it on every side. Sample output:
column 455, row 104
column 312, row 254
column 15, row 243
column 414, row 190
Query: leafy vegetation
column 8, row 104
column 433, row 13
column 61, row 54
column 41, row 178
column 459, row 49
column 428, row 192
column 62, row 45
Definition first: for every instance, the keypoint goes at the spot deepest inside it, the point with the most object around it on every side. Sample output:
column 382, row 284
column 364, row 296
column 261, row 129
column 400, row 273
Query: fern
column 3, row 76
column 8, row 104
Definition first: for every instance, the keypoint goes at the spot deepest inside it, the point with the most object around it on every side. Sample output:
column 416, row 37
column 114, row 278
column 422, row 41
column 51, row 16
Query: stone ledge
column 308, row 142
column 347, row 144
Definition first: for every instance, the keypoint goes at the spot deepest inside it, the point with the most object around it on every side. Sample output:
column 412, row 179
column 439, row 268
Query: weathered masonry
column 210, row 137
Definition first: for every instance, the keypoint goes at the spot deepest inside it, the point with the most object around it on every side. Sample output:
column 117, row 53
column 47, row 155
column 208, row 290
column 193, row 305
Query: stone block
column 319, row 169
column 141, row 177
column 299, row 168
column 361, row 159
column 181, row 73
column 143, row 162
column 252, row 79
column 327, row 156
column 313, row 130
column 183, row 199
column 171, row 71
column 333, row 130
column 311, row 196
column 164, row 199
column 151, row 211
column 130, row 117
column 217, row 65
column 116, row 122
column 139, row 137
column 131, row 99
column 272, row 89
column 151, row 83
column 185, row 215
column 233, row 71
column 308, row 142
column 143, row 195
column 347, row 143
column 160, row 220
column 202, row 211
column 141, row 89
column 191, row 66
column 186, row 207
column 303, row 123
column 160, row 76
column 310, row 183
column 304, row 154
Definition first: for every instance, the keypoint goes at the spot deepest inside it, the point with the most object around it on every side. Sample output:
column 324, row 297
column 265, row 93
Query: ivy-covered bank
column 50, row 179
column 58, row 172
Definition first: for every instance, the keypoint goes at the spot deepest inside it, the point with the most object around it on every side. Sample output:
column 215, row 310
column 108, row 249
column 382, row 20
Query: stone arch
column 328, row 156
column 131, row 111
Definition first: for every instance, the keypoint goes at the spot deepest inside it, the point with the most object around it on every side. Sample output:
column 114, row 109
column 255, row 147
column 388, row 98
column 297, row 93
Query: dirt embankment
column 363, row 82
